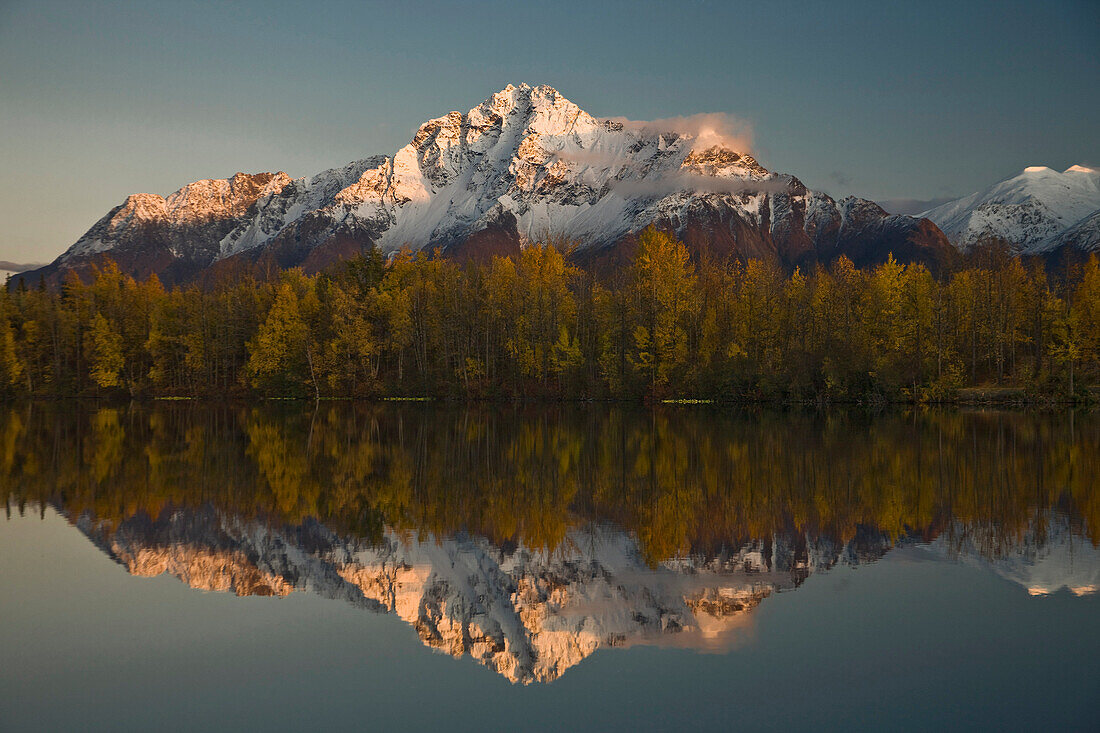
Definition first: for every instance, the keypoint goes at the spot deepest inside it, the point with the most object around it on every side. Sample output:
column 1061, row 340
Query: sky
column 917, row 100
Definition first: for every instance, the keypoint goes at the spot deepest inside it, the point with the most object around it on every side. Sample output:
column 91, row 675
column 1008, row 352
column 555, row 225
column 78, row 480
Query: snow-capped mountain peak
column 524, row 164
column 1030, row 210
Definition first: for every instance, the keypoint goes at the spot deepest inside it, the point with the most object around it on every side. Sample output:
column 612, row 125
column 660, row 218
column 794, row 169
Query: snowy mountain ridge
column 524, row 165
column 1034, row 211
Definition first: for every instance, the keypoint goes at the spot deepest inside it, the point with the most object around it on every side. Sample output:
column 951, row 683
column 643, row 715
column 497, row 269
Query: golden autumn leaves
column 665, row 325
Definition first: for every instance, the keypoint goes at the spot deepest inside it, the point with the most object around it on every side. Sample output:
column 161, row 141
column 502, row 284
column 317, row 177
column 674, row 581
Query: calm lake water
column 180, row 566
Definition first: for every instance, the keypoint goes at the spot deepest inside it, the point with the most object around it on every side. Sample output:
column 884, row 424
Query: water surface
column 547, row 568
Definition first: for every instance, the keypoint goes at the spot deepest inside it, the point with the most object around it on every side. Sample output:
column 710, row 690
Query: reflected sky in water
column 545, row 568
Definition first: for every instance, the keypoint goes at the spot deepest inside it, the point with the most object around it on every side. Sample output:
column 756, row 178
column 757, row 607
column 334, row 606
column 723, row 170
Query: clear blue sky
column 884, row 100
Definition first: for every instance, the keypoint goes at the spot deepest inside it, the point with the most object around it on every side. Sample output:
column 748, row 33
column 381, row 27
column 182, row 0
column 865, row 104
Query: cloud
column 593, row 158
column 841, row 179
column 709, row 129
column 674, row 183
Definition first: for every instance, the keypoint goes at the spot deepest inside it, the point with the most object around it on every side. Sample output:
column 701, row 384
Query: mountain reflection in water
column 528, row 538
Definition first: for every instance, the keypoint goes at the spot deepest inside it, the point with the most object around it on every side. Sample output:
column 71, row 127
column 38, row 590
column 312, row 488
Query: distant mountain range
column 911, row 207
column 1037, row 212
column 523, row 166
column 14, row 267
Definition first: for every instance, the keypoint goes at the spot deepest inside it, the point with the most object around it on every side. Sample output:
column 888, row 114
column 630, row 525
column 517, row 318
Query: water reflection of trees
column 682, row 480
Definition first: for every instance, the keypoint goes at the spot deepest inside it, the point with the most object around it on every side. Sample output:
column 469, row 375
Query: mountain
column 910, row 207
column 1084, row 235
column 524, row 165
column 13, row 268
column 1034, row 211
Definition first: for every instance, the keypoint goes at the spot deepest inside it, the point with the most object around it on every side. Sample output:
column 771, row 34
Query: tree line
column 665, row 326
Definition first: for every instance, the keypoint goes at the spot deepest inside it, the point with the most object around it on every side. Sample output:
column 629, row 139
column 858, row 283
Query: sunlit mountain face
column 524, row 166
column 531, row 538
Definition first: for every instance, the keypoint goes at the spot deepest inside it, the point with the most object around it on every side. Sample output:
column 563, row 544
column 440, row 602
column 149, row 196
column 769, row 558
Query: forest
column 666, row 326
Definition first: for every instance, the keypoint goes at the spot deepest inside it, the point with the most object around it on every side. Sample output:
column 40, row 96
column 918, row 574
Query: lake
column 193, row 566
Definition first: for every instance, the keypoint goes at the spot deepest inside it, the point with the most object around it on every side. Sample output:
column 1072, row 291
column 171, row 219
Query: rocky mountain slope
column 523, row 166
column 1037, row 211
column 1083, row 236
column 528, row 613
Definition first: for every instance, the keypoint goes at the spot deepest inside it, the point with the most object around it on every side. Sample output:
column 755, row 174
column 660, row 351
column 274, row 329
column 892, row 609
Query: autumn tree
column 282, row 354
column 11, row 368
column 104, row 346
column 662, row 280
